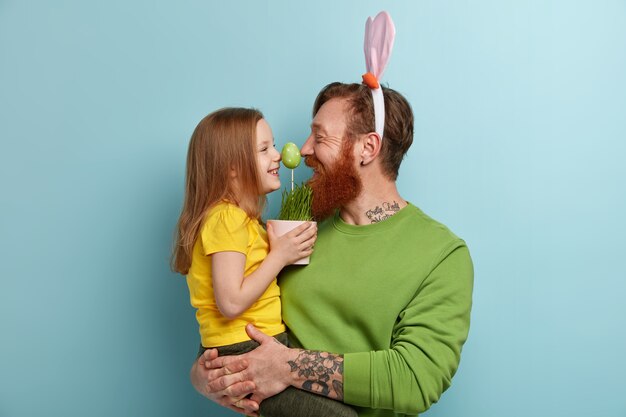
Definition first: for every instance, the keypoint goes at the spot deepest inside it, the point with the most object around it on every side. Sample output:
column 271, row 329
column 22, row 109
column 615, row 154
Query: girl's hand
column 293, row 245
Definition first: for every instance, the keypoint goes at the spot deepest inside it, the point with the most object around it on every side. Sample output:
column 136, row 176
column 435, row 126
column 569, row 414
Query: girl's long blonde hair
column 223, row 142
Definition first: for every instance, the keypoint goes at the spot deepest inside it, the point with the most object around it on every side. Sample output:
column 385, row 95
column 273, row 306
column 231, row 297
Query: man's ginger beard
column 335, row 186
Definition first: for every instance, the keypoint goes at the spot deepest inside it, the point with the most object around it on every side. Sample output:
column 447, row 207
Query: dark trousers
column 292, row 402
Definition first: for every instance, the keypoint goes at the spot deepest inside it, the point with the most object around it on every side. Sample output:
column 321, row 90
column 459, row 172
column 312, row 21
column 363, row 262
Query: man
column 384, row 307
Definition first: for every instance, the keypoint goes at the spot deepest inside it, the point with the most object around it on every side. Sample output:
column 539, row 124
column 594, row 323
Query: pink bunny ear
column 380, row 33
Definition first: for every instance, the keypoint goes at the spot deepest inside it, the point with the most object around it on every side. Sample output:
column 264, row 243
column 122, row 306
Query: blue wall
column 519, row 146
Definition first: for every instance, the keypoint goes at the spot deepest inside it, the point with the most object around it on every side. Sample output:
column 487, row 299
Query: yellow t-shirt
column 228, row 228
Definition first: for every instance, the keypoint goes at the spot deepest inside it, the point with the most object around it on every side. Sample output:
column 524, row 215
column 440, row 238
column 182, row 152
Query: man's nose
column 307, row 148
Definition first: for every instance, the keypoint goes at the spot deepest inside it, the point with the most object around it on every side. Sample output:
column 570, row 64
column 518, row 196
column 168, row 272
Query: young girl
column 223, row 249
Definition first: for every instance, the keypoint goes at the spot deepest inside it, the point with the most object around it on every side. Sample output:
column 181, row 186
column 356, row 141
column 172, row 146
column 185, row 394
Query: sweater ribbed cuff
column 356, row 378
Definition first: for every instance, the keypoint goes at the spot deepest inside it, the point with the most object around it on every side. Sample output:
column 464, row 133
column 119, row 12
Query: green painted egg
column 291, row 155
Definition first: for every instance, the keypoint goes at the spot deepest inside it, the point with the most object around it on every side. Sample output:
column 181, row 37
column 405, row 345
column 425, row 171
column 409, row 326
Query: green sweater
column 394, row 297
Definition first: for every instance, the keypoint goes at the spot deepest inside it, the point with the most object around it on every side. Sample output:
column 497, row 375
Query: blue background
column 519, row 145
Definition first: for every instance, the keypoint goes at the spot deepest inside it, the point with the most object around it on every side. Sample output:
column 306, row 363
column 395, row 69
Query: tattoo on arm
column 379, row 214
column 322, row 372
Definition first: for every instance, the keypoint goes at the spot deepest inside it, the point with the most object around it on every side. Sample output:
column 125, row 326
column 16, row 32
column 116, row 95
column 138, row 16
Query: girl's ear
column 372, row 144
column 233, row 172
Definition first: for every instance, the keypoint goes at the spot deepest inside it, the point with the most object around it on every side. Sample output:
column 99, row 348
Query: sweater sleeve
column 426, row 343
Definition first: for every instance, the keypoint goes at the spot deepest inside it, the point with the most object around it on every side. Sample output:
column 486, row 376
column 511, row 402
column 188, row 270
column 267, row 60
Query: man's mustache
column 311, row 161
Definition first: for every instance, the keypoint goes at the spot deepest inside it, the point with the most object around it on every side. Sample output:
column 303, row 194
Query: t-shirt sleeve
column 225, row 230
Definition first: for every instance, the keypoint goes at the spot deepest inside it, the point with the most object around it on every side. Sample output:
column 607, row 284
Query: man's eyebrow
column 316, row 126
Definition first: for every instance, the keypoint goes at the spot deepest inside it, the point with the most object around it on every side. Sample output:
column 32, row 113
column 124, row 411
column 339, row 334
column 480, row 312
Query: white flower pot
column 285, row 226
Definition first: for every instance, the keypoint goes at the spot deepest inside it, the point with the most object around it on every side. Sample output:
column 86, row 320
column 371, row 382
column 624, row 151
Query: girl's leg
column 294, row 402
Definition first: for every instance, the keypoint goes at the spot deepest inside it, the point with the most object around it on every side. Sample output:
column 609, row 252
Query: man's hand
column 266, row 368
column 232, row 395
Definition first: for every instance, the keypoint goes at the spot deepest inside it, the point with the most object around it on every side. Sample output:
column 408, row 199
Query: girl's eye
column 263, row 149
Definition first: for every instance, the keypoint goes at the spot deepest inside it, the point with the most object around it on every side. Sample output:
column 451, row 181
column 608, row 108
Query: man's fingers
column 220, row 378
column 241, row 411
column 208, row 355
column 255, row 398
column 234, row 363
column 231, row 386
column 248, row 406
column 234, row 398
column 240, row 405
column 257, row 335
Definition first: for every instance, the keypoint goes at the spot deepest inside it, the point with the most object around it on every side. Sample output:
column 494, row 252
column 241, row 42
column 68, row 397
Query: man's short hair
column 398, row 134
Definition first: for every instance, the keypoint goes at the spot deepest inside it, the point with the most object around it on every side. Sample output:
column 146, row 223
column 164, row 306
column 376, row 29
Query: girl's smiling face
column 267, row 158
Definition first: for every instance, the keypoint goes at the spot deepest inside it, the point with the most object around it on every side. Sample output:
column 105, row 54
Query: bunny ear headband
column 380, row 33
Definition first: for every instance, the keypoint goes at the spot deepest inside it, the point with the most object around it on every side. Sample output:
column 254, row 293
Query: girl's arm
column 233, row 293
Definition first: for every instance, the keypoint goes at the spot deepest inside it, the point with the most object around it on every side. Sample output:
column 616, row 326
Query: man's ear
column 371, row 146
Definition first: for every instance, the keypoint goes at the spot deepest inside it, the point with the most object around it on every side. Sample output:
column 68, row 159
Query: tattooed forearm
column 338, row 386
column 322, row 372
column 379, row 213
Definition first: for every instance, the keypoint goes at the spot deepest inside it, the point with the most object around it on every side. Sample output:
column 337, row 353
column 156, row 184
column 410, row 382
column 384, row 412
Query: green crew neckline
column 367, row 229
